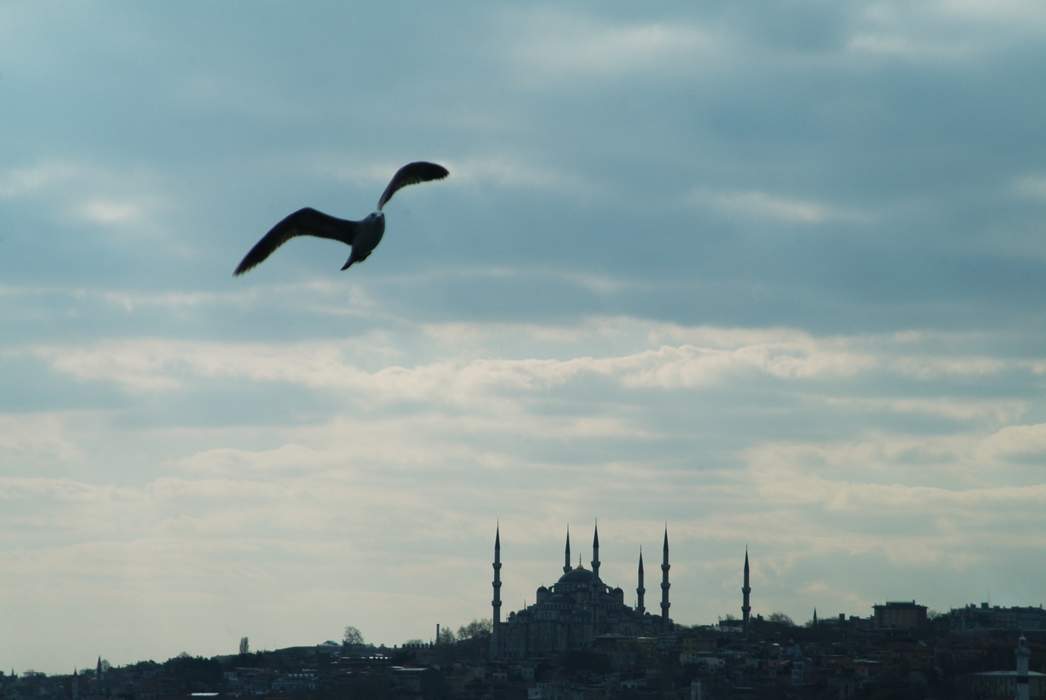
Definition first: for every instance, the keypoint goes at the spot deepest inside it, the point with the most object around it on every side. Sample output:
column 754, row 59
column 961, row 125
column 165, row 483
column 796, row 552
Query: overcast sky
column 770, row 273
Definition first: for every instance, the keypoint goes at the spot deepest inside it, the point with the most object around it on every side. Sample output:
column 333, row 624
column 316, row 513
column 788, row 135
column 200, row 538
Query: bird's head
column 375, row 215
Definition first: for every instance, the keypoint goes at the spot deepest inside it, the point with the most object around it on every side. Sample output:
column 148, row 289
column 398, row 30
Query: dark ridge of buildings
column 984, row 616
column 588, row 644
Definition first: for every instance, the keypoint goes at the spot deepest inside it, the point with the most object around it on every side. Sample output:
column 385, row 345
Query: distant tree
column 446, row 636
column 245, row 646
column 781, row 619
column 727, row 617
column 476, row 628
column 352, row 637
column 189, row 669
column 106, row 665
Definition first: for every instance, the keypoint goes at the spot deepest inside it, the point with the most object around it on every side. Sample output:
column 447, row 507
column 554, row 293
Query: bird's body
column 368, row 236
column 362, row 236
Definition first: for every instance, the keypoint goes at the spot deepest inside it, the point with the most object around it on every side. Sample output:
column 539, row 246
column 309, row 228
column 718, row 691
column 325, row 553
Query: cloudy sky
column 770, row 273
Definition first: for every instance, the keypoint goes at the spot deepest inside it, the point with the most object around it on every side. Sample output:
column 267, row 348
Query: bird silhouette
column 362, row 236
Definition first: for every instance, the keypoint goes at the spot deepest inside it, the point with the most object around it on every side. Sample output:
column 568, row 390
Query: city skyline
column 982, row 614
column 772, row 274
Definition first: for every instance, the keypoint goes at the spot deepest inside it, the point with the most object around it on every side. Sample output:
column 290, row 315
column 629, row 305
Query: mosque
column 575, row 611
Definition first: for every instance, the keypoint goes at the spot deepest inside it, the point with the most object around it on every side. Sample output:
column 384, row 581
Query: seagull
column 362, row 236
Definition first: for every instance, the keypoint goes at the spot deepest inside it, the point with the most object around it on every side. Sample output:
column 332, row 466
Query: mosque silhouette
column 575, row 612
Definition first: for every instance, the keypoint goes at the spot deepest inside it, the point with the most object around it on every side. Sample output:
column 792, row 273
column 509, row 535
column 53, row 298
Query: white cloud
column 508, row 171
column 1001, row 411
column 1031, row 186
column 761, row 205
column 435, row 450
column 924, row 367
column 41, row 436
column 557, row 45
column 1016, row 441
column 162, row 365
column 945, row 30
column 21, row 182
column 105, row 212
column 910, row 46
column 135, row 367
column 466, row 372
column 1021, row 15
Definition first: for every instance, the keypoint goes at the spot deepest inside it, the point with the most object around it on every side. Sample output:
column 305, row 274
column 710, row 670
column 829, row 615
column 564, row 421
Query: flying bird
column 362, row 236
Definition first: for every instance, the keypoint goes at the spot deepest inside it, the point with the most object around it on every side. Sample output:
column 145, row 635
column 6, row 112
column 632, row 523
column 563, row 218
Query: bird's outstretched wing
column 412, row 174
column 304, row 222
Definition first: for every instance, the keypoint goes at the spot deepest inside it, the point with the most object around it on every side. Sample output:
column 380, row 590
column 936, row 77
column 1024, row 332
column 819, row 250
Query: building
column 996, row 617
column 1021, row 684
column 576, row 611
column 900, row 615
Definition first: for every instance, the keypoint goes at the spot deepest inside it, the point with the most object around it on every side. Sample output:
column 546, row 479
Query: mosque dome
column 577, row 575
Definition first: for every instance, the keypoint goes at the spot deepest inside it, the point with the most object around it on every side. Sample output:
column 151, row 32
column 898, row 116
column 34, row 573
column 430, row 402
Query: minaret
column 640, row 591
column 746, row 608
column 665, row 586
column 496, row 603
column 1023, row 652
column 595, row 553
column 566, row 554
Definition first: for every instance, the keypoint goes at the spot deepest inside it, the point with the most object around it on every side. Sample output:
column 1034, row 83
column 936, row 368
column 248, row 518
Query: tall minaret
column 665, row 586
column 1023, row 652
column 595, row 553
column 640, row 591
column 496, row 603
column 745, row 590
column 566, row 554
